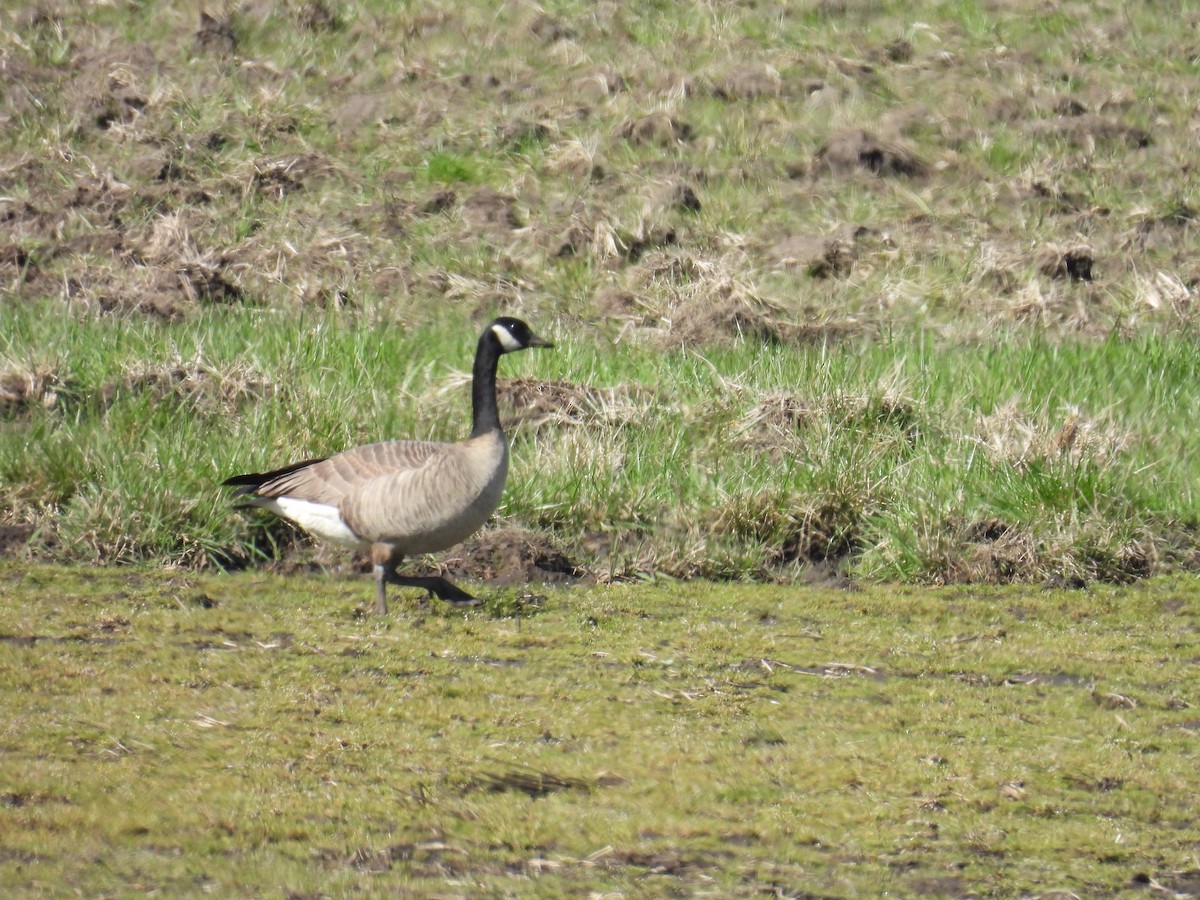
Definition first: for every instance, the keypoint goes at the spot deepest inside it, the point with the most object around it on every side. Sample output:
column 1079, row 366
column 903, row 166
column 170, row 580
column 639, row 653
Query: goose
column 401, row 498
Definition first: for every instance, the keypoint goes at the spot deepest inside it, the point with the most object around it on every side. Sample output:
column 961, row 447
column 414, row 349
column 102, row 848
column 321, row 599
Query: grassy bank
column 908, row 459
column 248, row 734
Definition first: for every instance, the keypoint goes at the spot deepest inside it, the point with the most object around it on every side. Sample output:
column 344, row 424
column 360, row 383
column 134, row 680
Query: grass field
column 866, row 446
column 253, row 735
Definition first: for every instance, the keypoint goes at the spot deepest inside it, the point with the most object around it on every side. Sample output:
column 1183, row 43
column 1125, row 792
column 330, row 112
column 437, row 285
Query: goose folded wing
column 330, row 481
column 423, row 508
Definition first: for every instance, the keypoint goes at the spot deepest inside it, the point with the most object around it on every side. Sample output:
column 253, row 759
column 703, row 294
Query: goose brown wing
column 330, row 480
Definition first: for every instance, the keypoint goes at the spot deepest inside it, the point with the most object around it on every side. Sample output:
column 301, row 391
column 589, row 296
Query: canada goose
column 400, row 498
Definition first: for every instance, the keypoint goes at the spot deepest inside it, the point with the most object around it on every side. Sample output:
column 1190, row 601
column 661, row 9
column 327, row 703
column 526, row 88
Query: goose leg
column 385, row 558
column 381, row 578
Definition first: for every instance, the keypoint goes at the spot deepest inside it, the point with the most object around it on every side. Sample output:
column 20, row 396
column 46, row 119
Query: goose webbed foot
column 437, row 587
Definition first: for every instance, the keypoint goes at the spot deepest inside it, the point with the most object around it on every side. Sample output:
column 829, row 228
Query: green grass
column 249, row 734
column 885, row 455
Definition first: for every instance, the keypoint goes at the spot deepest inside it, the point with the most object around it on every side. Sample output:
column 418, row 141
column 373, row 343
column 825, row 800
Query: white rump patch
column 507, row 341
column 319, row 519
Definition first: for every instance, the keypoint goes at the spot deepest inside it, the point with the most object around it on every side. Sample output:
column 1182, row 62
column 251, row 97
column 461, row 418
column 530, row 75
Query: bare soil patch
column 512, row 556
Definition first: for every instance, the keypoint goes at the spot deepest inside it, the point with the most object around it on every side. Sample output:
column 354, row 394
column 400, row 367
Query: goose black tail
column 249, row 484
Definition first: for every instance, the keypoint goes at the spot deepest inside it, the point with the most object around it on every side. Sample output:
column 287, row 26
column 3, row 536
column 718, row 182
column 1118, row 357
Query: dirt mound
column 678, row 196
column 1073, row 263
column 490, row 210
column 512, row 556
column 729, row 314
column 600, row 84
column 820, row 257
column 531, row 401
column 612, row 302
column 772, row 424
column 826, row 531
column 519, row 133
column 278, row 177
column 14, row 538
column 862, row 150
column 216, row 36
column 659, row 129
column 317, row 16
column 576, row 159
column 1089, row 129
column 748, row 82
column 103, row 87
column 530, row 404
column 203, row 388
column 1010, row 435
column 107, row 259
column 162, row 291
column 722, row 310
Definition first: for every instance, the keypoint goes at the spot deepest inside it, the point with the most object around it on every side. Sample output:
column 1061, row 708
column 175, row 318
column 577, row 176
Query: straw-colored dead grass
column 201, row 387
column 1012, row 436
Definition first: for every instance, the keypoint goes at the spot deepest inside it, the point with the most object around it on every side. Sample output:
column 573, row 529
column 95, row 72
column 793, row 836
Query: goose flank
column 401, row 498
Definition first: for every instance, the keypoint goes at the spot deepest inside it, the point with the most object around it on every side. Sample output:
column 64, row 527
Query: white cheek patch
column 507, row 341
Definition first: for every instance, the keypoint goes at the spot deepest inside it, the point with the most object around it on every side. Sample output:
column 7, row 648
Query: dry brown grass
column 27, row 387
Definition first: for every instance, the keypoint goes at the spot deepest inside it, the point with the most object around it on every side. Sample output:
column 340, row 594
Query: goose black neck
column 484, row 415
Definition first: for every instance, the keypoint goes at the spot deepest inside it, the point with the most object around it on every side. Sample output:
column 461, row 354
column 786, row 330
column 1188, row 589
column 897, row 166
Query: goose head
column 513, row 334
